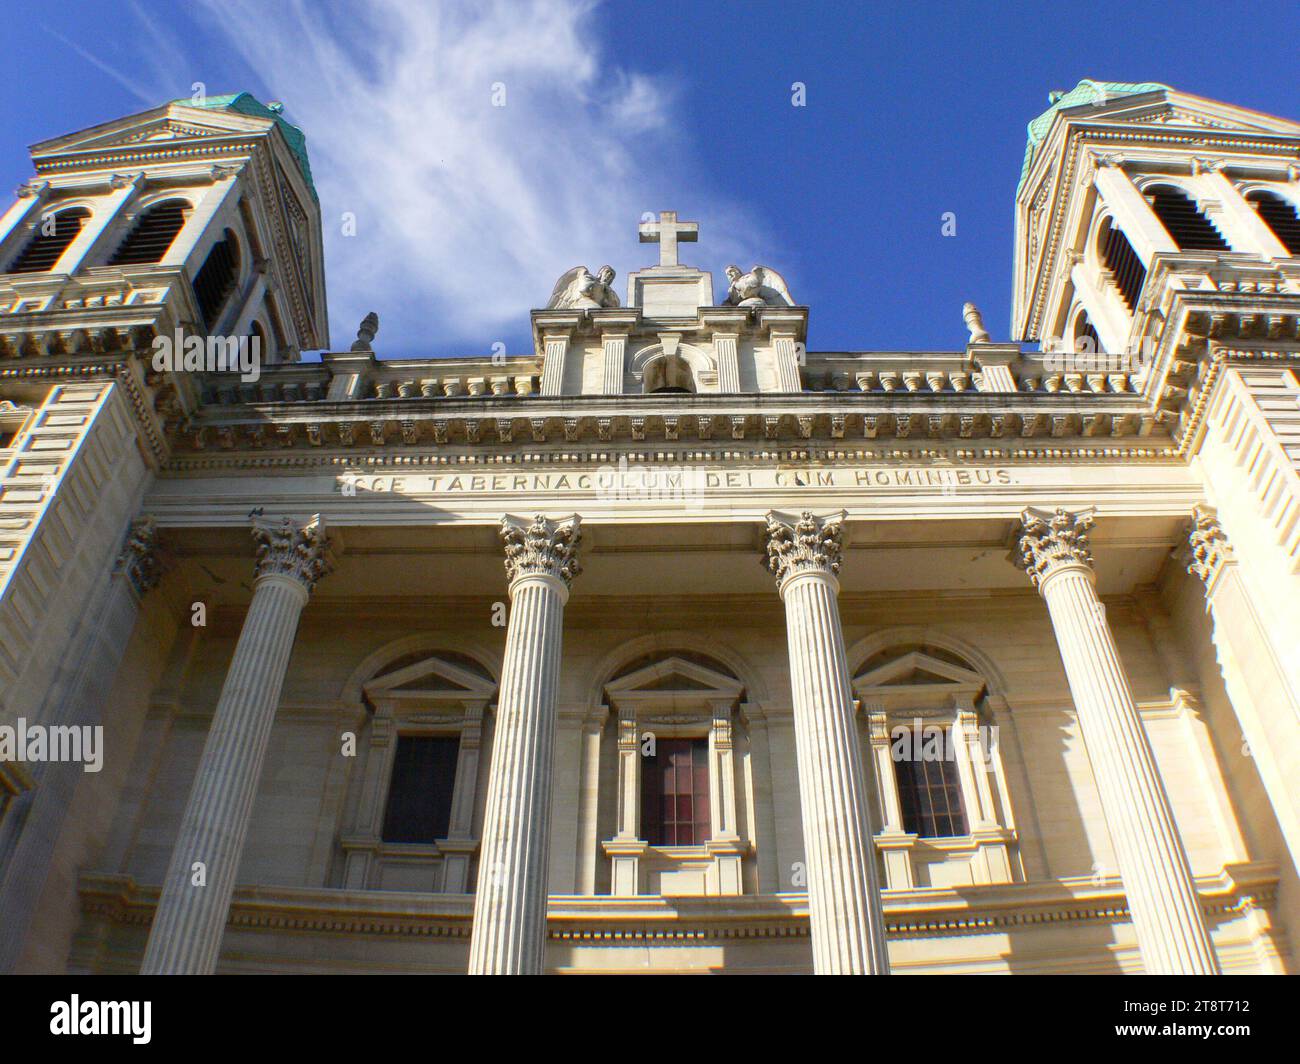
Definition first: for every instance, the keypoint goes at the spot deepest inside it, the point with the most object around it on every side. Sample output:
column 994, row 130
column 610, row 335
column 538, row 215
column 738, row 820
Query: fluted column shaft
column 509, row 935
column 195, row 903
column 1153, row 865
column 844, row 905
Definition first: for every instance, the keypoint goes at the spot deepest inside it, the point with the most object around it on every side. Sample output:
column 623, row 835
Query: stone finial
column 366, row 332
column 975, row 323
column 542, row 547
column 290, row 549
column 1208, row 546
column 806, row 545
column 140, row 558
column 1049, row 542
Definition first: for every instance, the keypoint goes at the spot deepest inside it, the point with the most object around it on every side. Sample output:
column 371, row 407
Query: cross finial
column 666, row 233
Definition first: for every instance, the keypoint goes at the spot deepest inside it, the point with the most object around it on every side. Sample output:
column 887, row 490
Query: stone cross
column 666, row 233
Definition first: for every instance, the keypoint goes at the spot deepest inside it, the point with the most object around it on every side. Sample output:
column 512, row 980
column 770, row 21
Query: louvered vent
column 1184, row 222
column 216, row 277
column 45, row 249
column 1123, row 262
column 1279, row 216
column 151, row 235
column 1086, row 339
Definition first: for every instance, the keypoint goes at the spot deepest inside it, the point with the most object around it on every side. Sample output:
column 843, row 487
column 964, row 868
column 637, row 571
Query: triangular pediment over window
column 916, row 676
column 432, row 676
column 918, row 667
column 671, row 676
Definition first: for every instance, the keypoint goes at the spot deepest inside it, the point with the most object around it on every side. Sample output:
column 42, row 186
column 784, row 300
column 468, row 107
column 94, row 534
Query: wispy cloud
column 135, row 86
column 466, row 210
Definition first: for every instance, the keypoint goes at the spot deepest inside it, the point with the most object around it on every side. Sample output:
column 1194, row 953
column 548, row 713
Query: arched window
column 216, row 278
column 1183, row 220
column 257, row 342
column 1279, row 216
column 53, row 235
column 1086, row 340
column 1123, row 263
column 151, row 236
column 943, row 813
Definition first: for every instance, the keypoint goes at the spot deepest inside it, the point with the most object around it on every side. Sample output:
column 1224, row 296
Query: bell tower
column 1131, row 188
column 199, row 214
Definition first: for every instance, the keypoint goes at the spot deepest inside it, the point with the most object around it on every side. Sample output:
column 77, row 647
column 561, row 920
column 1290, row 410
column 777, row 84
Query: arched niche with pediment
column 944, row 813
column 662, row 708
column 670, row 364
column 438, row 695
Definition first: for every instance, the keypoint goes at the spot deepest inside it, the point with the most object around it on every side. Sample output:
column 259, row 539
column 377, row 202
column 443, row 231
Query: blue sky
column 466, row 213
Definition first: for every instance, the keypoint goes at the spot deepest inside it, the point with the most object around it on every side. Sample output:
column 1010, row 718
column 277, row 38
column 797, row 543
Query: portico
column 667, row 643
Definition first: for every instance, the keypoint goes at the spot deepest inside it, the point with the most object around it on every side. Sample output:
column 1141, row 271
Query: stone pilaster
column 1263, row 701
column 509, row 936
column 1158, row 882
column 195, row 902
column 848, row 926
column 37, row 817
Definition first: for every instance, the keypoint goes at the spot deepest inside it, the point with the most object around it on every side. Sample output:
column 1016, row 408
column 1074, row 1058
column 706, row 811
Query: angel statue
column 579, row 290
column 761, row 287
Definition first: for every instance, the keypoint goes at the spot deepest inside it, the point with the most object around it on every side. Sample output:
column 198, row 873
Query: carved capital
column 1208, row 546
column 290, row 549
column 1050, row 542
column 542, row 547
column 807, row 545
column 140, row 559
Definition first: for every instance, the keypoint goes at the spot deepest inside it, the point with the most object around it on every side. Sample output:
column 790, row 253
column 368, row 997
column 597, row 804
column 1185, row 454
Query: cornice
column 926, row 912
column 122, row 373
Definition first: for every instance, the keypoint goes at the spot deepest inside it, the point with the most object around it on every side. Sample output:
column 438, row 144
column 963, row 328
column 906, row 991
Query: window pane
column 675, row 793
column 419, row 796
column 929, row 791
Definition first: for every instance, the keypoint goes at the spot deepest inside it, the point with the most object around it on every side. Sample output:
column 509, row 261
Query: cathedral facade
column 670, row 645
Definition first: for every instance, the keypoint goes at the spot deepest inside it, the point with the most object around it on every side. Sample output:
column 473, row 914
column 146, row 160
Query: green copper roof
column 1087, row 91
column 245, row 103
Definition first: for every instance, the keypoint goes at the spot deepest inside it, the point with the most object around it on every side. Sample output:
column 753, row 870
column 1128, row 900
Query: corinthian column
column 509, row 935
column 848, row 924
column 1252, row 674
column 195, row 902
column 1157, row 879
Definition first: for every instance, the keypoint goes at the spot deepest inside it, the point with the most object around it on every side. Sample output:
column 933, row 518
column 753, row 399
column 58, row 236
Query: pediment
column 674, row 675
column 1172, row 109
column 174, row 122
column 431, row 677
column 918, row 668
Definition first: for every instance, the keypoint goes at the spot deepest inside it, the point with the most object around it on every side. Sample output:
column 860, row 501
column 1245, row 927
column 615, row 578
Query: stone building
column 669, row 645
